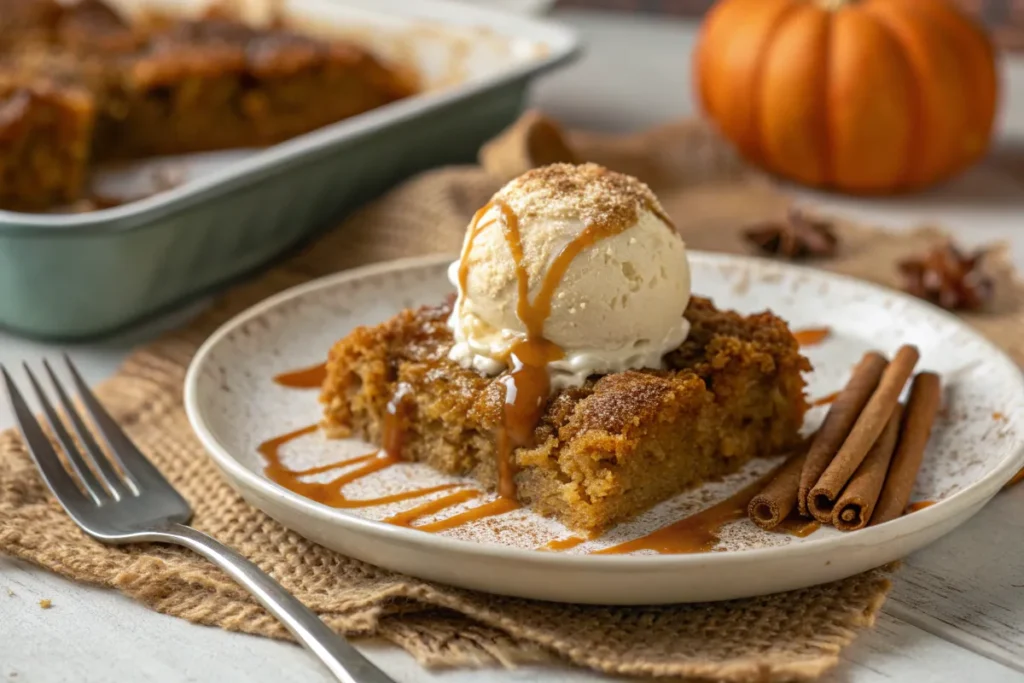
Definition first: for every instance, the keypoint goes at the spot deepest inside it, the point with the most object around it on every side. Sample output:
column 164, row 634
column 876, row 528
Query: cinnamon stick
column 922, row 407
column 839, row 421
column 768, row 508
column 855, row 506
column 862, row 437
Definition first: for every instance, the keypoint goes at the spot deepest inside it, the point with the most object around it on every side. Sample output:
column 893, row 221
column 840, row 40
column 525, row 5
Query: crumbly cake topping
column 212, row 46
column 586, row 192
column 422, row 336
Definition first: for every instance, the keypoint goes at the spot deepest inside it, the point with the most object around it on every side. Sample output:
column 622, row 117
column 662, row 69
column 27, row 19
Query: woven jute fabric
column 710, row 195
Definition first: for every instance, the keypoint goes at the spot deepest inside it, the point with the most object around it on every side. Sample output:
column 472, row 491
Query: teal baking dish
column 77, row 276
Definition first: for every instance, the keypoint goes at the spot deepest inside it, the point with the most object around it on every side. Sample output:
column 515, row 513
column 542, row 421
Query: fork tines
column 100, row 475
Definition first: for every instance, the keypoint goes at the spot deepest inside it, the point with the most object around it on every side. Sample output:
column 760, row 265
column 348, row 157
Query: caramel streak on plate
column 305, row 378
column 271, row 448
column 812, row 336
column 697, row 533
column 825, row 400
column 801, row 527
column 492, row 509
column 330, row 493
column 431, row 507
column 566, row 543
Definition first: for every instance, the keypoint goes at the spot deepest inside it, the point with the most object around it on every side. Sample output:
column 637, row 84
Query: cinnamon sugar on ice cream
column 587, row 192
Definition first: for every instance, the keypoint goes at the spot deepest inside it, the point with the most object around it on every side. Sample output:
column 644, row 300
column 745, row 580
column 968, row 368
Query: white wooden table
column 956, row 612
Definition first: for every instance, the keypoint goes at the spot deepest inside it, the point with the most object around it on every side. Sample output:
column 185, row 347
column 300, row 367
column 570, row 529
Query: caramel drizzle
column 919, row 505
column 662, row 216
column 305, row 378
column 697, row 533
column 494, row 508
column 527, row 385
column 431, row 507
column 560, row 544
column 825, row 400
column 271, row 448
column 394, row 431
column 812, row 336
column 797, row 526
column 330, row 493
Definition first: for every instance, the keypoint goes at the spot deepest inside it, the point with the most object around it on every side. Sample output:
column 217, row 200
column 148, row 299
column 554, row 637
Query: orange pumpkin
column 873, row 96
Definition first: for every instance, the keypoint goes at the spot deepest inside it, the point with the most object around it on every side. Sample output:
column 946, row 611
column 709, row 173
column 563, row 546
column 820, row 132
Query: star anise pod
column 796, row 236
column 947, row 277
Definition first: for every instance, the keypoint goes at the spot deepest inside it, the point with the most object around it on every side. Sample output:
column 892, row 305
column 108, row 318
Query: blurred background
column 1004, row 18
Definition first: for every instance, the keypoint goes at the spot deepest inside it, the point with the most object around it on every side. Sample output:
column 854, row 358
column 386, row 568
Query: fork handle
column 343, row 660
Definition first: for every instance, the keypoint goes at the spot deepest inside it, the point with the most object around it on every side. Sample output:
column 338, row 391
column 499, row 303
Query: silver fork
column 141, row 506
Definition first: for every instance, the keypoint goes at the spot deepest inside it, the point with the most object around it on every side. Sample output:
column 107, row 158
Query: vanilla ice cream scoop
column 577, row 257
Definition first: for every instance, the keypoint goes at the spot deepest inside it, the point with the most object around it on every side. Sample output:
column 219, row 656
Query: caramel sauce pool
column 919, row 505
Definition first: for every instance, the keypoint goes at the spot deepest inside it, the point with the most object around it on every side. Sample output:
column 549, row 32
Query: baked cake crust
column 161, row 87
column 47, row 115
column 605, row 451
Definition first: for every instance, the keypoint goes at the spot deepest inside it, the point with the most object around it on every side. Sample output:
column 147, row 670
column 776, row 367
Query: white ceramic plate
column 976, row 447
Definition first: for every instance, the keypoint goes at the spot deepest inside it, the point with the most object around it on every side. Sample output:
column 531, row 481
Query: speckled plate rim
column 963, row 503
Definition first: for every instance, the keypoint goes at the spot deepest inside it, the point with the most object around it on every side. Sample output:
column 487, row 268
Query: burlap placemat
column 710, row 195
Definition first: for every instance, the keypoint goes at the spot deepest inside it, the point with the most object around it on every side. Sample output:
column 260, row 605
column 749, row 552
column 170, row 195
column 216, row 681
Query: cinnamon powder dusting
column 589, row 193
